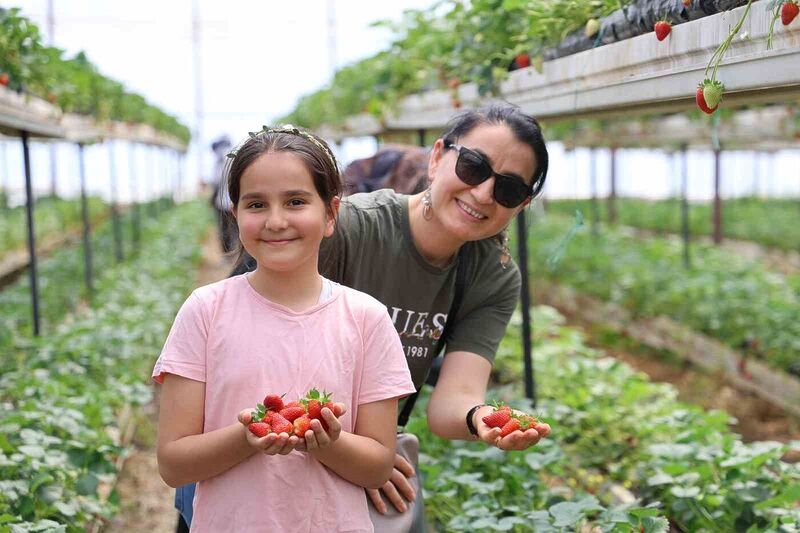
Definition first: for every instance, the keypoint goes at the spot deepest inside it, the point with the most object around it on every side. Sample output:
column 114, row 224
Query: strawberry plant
column 61, row 284
column 725, row 296
column 60, row 396
column 52, row 216
column 74, row 84
column 453, row 40
column 615, row 426
column 768, row 222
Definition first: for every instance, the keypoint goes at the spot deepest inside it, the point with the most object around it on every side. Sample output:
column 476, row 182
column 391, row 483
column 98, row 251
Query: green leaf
column 86, row 485
column 685, row 492
column 788, row 497
column 660, row 479
column 655, row 525
column 566, row 513
column 67, row 508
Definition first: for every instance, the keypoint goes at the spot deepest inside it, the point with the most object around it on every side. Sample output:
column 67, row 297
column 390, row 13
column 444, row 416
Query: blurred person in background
column 219, row 195
column 400, row 167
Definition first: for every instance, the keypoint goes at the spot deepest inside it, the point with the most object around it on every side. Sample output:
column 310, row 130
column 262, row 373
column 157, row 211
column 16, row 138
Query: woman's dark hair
column 525, row 128
column 312, row 150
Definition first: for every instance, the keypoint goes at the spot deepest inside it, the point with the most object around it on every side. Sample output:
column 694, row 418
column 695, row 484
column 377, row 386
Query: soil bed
column 757, row 419
column 146, row 502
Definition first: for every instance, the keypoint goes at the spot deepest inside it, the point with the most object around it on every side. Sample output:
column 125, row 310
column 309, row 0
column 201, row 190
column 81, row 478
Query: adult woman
column 406, row 251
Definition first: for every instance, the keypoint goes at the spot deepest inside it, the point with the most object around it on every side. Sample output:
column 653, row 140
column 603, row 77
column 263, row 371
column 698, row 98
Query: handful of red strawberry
column 508, row 421
column 293, row 418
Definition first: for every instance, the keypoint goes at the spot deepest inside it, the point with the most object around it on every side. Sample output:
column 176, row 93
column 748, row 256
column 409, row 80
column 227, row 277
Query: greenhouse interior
column 611, row 345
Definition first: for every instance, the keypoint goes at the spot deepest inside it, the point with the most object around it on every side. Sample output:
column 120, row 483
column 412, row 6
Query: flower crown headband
column 290, row 130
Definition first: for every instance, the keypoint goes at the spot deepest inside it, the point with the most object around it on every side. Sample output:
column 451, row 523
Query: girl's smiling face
column 282, row 218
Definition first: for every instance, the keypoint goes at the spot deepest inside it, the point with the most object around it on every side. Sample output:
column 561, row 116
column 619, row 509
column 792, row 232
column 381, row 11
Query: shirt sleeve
column 184, row 352
column 385, row 371
column 335, row 250
column 489, row 302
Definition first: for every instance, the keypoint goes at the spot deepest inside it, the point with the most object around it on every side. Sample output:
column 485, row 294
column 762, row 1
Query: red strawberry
column 498, row 418
column 314, row 409
column 279, row 423
column 301, row 425
column 523, row 60
column 259, row 429
column 293, row 404
column 789, row 11
column 453, row 83
column 273, row 402
column 4, row 79
column 314, row 401
column 509, row 427
column 662, row 29
column 292, row 413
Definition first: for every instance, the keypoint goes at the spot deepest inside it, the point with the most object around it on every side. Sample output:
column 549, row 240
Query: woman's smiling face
column 469, row 212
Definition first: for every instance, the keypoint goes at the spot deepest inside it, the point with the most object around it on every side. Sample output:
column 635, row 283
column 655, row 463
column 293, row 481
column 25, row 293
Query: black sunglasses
column 473, row 169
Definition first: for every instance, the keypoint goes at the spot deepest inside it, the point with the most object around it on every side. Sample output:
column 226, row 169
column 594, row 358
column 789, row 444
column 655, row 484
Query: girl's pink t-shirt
column 242, row 346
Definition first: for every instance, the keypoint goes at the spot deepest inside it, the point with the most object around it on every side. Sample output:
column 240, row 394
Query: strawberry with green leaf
column 314, row 401
column 499, row 417
column 709, row 95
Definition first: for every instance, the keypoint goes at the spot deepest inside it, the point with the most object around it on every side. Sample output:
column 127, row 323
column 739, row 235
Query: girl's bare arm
column 185, row 453
column 366, row 456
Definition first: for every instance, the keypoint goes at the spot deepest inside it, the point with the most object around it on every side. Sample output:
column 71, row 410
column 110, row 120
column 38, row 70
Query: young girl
column 285, row 329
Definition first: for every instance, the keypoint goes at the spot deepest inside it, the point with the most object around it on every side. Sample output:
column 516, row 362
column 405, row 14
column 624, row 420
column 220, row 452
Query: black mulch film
column 636, row 19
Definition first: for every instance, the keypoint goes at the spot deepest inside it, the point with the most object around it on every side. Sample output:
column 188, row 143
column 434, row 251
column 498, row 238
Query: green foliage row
column 611, row 427
column 450, row 43
column 60, row 276
column 772, row 222
column 723, row 295
column 60, row 397
column 74, row 84
column 51, row 216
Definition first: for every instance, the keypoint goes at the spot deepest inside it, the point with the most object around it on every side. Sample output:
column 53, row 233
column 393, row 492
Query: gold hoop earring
column 505, row 255
column 427, row 208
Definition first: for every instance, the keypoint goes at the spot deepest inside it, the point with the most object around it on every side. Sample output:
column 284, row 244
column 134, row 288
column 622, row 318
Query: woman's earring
column 505, row 256
column 427, row 209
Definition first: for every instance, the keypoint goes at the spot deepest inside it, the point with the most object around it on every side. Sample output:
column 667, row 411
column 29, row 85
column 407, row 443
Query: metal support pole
column 136, row 223
column 522, row 247
column 612, row 197
column 29, row 201
column 756, row 174
column 179, row 170
column 112, row 172
column 5, row 177
column 87, row 228
column 717, row 215
column 421, row 137
column 685, row 207
column 152, row 204
column 593, row 184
